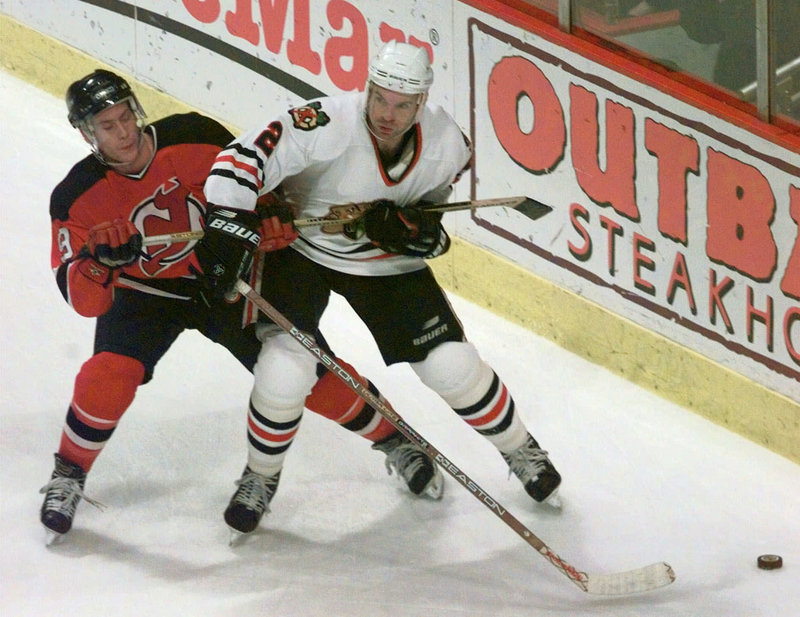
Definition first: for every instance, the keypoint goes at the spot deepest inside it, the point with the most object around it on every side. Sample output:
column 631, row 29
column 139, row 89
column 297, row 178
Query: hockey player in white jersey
column 385, row 148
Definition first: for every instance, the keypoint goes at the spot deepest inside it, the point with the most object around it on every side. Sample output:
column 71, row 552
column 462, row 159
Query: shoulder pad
column 83, row 176
column 191, row 128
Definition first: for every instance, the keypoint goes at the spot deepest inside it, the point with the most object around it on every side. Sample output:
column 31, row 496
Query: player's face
column 390, row 114
column 118, row 136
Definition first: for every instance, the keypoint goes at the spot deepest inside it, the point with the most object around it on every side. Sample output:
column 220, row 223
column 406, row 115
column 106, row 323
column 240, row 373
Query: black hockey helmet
column 94, row 93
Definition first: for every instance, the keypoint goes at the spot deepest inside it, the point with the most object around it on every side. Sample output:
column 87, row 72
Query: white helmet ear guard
column 401, row 67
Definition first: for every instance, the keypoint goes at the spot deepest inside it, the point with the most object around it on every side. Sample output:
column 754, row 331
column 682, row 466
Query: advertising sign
column 665, row 214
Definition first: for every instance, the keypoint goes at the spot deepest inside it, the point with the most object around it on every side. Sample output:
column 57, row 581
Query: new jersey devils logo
column 171, row 208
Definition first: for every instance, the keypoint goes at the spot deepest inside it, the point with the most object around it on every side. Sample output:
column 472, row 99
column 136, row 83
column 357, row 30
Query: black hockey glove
column 405, row 230
column 114, row 244
column 226, row 249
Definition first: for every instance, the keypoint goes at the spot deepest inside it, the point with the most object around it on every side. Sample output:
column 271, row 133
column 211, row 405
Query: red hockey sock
column 331, row 398
column 104, row 389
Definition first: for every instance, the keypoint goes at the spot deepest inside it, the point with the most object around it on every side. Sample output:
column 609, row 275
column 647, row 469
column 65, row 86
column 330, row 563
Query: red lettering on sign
column 740, row 209
column 346, row 57
column 764, row 317
column 678, row 155
column 204, row 11
column 613, row 186
column 715, row 295
column 540, row 149
column 389, row 33
column 239, row 22
column 355, row 47
column 299, row 49
column 581, row 253
column 273, row 21
column 640, row 260
column 680, row 279
column 791, row 318
column 790, row 284
column 614, row 229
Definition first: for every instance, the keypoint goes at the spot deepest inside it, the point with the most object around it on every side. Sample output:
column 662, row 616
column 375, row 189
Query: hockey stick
column 527, row 206
column 634, row 581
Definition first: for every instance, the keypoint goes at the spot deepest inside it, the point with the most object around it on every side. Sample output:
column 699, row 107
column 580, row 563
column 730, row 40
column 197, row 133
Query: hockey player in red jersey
column 146, row 180
column 387, row 148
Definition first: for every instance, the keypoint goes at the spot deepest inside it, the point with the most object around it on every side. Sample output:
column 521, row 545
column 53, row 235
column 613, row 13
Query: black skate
column 62, row 495
column 537, row 474
column 250, row 501
column 420, row 473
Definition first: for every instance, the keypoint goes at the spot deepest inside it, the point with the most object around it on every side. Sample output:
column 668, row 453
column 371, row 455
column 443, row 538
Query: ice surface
column 644, row 480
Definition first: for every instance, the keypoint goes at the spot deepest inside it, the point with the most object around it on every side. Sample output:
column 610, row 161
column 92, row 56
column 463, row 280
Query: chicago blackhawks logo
column 171, row 208
column 309, row 116
column 354, row 230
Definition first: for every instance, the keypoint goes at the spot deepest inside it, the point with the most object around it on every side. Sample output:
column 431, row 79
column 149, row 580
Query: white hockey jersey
column 324, row 159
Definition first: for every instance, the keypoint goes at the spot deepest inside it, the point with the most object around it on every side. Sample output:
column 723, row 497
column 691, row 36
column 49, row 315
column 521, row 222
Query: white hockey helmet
column 401, row 67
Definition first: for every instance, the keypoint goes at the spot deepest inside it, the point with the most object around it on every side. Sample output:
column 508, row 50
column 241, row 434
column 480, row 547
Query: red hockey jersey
column 167, row 198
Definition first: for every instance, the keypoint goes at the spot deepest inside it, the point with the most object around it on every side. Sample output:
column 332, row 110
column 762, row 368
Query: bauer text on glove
column 226, row 249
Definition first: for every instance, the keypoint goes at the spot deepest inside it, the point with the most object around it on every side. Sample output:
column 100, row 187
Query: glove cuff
column 97, row 272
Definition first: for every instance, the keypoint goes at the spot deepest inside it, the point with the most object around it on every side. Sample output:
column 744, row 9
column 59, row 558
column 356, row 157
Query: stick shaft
column 634, row 581
column 620, row 583
column 579, row 578
column 320, row 221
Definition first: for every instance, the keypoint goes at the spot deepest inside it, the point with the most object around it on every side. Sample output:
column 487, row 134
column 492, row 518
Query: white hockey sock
column 283, row 377
column 456, row 372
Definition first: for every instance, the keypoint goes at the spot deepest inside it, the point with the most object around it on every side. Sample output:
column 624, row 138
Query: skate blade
column 435, row 488
column 52, row 537
column 553, row 500
column 236, row 537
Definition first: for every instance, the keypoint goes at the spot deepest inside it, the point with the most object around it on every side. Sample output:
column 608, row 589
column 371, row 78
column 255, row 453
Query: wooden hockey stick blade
column 634, row 581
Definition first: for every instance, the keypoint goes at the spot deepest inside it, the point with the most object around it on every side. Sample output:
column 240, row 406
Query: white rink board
column 732, row 307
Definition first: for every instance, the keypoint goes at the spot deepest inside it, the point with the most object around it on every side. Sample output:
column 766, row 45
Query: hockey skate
column 537, row 474
column 62, row 495
column 250, row 502
column 420, row 473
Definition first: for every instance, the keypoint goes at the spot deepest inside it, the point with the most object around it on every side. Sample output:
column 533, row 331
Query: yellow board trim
column 645, row 358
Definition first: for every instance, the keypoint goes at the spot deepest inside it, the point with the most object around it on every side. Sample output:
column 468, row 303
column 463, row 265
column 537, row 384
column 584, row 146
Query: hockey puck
column 770, row 562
